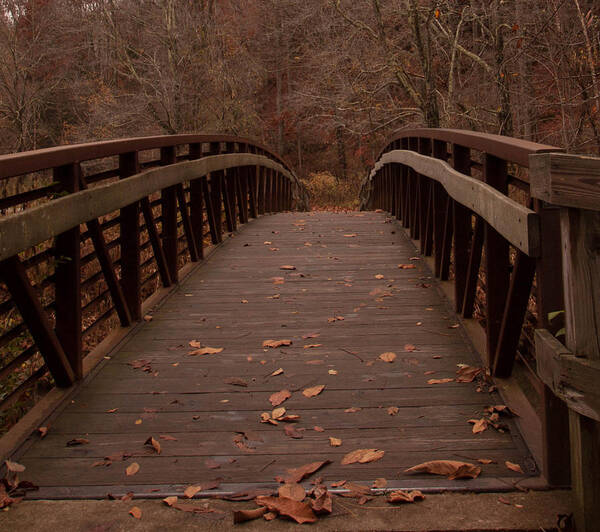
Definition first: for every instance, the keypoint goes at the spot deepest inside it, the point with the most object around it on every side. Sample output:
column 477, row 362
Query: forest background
column 324, row 82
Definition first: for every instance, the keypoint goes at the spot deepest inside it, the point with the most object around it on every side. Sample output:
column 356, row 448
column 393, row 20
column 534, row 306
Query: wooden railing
column 487, row 209
column 90, row 231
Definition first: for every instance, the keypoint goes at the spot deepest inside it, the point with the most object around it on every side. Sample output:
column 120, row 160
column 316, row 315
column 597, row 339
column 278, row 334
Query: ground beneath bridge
column 346, row 302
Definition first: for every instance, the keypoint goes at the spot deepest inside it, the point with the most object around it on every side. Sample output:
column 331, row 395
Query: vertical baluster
column 413, row 179
column 196, row 203
column 425, row 223
column 168, row 201
column 215, row 196
column 439, row 199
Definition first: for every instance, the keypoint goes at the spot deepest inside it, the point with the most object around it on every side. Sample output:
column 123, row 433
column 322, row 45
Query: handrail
column 27, row 228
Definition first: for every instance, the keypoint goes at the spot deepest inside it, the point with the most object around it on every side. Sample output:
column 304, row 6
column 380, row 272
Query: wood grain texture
column 350, row 271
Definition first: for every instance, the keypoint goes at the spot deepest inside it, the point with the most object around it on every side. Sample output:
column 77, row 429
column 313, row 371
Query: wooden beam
column 566, row 180
column 67, row 292
column 14, row 276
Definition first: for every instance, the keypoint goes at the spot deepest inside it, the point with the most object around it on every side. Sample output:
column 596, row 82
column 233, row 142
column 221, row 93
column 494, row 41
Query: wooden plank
column 67, row 274
column 518, row 224
column 565, row 179
column 14, row 276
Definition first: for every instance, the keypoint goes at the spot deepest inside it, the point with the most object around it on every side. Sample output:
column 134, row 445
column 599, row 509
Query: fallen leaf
column 439, row 381
column 388, row 356
column 332, row 371
column 322, row 503
column 310, row 335
column 362, row 456
column 170, row 501
column 298, row 511
column 352, row 410
column 267, row 242
column 392, row 410
column 276, row 343
column 278, row 280
column 351, row 235
column 42, row 431
column 138, row 421
column 485, row 461
column 136, row 512
column 190, row 491
column 277, row 372
column 297, row 474
column 14, row 467
column 468, row 373
column 479, row 425
column 335, row 442
column 77, row 441
column 269, row 516
column 265, row 417
column 379, row 276
column 147, row 317
column 212, row 464
column 278, row 412
column 316, row 428
column 166, row 437
column 409, row 348
column 312, row 346
column 405, row 496
column 112, row 410
column 380, row 483
column 195, row 343
column 292, row 491
column 241, row 516
column 151, row 441
column 406, row 266
column 514, row 467
column 206, row 351
column 279, row 397
column 450, row 468
column 287, row 267
column 314, row 390
column 338, row 483
column 132, row 469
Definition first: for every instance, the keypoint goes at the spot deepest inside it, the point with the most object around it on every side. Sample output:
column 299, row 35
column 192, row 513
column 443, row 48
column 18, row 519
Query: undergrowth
column 331, row 193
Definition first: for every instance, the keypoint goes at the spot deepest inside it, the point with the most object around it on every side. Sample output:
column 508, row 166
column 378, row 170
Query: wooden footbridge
column 202, row 327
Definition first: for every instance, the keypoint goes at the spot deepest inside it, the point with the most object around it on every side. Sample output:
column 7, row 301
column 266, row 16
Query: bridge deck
column 231, row 302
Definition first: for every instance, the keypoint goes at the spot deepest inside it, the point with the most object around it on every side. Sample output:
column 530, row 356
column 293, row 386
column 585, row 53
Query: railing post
column 169, row 216
column 571, row 182
column 196, row 203
column 461, row 161
column 130, row 241
column 67, row 249
column 496, row 260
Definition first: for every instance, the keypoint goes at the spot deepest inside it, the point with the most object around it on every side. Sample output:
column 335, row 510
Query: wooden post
column 68, row 278
column 169, row 216
column 130, row 241
column 573, row 182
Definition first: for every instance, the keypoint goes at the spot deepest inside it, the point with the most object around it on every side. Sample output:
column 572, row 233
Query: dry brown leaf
column 352, row 410
column 406, row 266
column 298, row 511
column 166, row 437
column 314, row 390
column 297, row 474
column 277, row 372
column 388, row 356
column 241, row 516
column 293, row 432
column 151, row 441
column 439, row 381
column 350, row 235
column 312, row 346
column 316, row 428
column 322, row 503
column 278, row 412
column 310, row 335
column 206, row 351
column 195, row 343
column 338, row 483
column 409, row 348
column 287, row 267
column 112, row 410
column 278, row 280
column 147, row 317
column 485, row 461
column 279, row 397
column 380, row 483
column 132, row 469
column 212, row 464
column 450, row 468
column 379, row 276
column 405, row 496
column 42, row 431
column 289, row 418
column 335, row 442
column 479, row 425
column 265, row 417
column 170, row 501
column 332, row 371
column 514, row 467
column 190, row 491
column 362, row 456
column 14, row 467
column 292, row 491
column 468, row 373
column 276, row 343
column 393, row 410
column 77, row 441
column 234, row 381
column 136, row 512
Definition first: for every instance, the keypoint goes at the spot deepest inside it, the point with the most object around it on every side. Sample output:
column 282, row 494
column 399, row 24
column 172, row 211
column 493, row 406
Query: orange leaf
column 298, row 511
column 279, row 397
column 405, row 496
column 362, row 456
column 388, row 356
column 451, row 468
column 136, row 512
column 206, row 351
column 190, row 491
column 297, row 474
column 314, row 390
column 335, row 442
column 241, row 516
column 154, row 443
column 479, row 425
column 392, row 410
column 514, row 467
column 276, row 343
column 132, row 469
column 170, row 501
column 287, row 267
column 312, row 346
column 439, row 381
column 292, row 491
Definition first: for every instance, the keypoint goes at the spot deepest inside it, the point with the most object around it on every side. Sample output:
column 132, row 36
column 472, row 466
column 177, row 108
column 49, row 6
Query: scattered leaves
column 362, row 456
column 151, row 441
column 514, row 467
column 439, row 381
column 297, row 474
column 298, row 511
column 468, row 373
column 401, row 496
column 132, row 469
column 292, row 491
column 206, row 351
column 392, row 410
column 479, row 425
column 135, row 512
column 287, row 267
column 241, row 516
column 279, row 397
column 276, row 343
column 335, row 442
column 77, row 441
